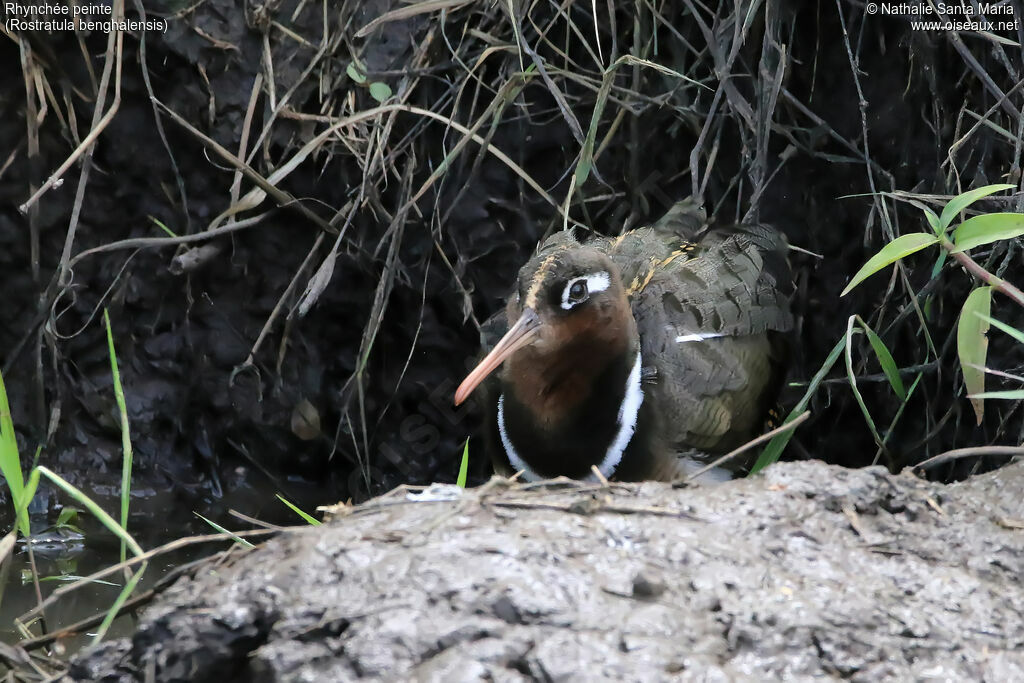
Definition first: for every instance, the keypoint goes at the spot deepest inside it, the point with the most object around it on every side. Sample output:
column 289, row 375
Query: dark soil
column 807, row 572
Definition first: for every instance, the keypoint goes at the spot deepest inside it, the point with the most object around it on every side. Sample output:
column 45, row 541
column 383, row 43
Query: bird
column 638, row 357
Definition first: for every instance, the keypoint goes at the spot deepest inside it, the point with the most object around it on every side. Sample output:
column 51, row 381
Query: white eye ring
column 596, row 282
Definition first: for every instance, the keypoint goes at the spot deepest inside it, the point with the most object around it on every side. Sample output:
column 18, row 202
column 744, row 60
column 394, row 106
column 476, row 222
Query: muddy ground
column 809, row 571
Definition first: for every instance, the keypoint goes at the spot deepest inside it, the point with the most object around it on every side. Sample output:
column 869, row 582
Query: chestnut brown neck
column 554, row 379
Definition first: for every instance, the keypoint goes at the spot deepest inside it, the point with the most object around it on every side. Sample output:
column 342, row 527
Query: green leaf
column 380, row 91
column 464, row 467
column 962, row 201
column 301, row 513
column 972, row 344
column 90, row 505
column 27, row 494
column 852, row 379
column 890, row 253
column 126, row 437
column 354, row 73
column 885, row 359
column 1012, row 331
column 988, row 228
column 10, row 461
column 933, row 221
column 68, row 515
column 1014, row 395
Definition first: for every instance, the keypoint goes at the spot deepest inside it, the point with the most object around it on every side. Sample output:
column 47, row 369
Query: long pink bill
column 518, row 336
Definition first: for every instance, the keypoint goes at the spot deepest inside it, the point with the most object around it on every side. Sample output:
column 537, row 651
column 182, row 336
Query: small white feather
column 700, row 336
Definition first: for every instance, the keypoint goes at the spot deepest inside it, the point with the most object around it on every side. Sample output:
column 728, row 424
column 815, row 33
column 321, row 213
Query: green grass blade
column 129, row 587
column 885, row 359
column 890, row 253
column 586, row 161
column 301, row 513
column 962, row 201
column 464, row 466
column 160, row 224
column 972, row 344
column 1012, row 331
column 939, row 262
column 231, row 534
column 90, row 505
column 126, row 437
column 773, row 451
column 852, row 378
column 10, row 461
column 27, row 494
column 986, row 229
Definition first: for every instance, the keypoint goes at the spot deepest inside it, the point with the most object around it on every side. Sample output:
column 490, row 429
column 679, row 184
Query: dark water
column 157, row 517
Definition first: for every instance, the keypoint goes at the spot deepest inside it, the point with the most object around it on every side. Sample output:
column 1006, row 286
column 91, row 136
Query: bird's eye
column 575, row 292
column 578, row 291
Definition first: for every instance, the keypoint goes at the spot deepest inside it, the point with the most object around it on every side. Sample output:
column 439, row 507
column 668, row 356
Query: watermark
column 941, row 16
column 59, row 18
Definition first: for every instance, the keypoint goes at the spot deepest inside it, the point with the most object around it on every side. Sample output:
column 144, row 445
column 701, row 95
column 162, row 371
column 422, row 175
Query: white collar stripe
column 518, row 464
column 629, row 411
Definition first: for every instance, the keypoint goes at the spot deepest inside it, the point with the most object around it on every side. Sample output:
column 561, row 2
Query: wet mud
column 809, row 571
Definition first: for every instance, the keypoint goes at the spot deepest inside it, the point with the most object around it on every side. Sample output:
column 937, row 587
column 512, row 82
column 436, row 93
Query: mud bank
column 807, row 571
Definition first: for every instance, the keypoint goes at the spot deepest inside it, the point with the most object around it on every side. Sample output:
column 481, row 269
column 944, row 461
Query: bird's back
column 712, row 310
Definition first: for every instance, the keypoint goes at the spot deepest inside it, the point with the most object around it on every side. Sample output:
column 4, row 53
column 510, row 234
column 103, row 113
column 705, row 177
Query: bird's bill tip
column 519, row 335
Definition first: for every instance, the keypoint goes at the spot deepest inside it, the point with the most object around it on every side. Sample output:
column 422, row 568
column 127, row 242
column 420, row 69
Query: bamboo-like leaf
column 885, row 359
column 1012, row 331
column 890, row 253
column 1013, row 394
column 987, row 228
column 852, row 379
column 962, row 201
column 933, row 221
column 464, row 466
column 972, row 344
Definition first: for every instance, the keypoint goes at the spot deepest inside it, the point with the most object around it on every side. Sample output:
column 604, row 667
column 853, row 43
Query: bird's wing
column 711, row 315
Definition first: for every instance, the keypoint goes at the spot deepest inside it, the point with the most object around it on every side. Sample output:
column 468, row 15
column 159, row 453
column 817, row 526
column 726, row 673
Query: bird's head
column 569, row 309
